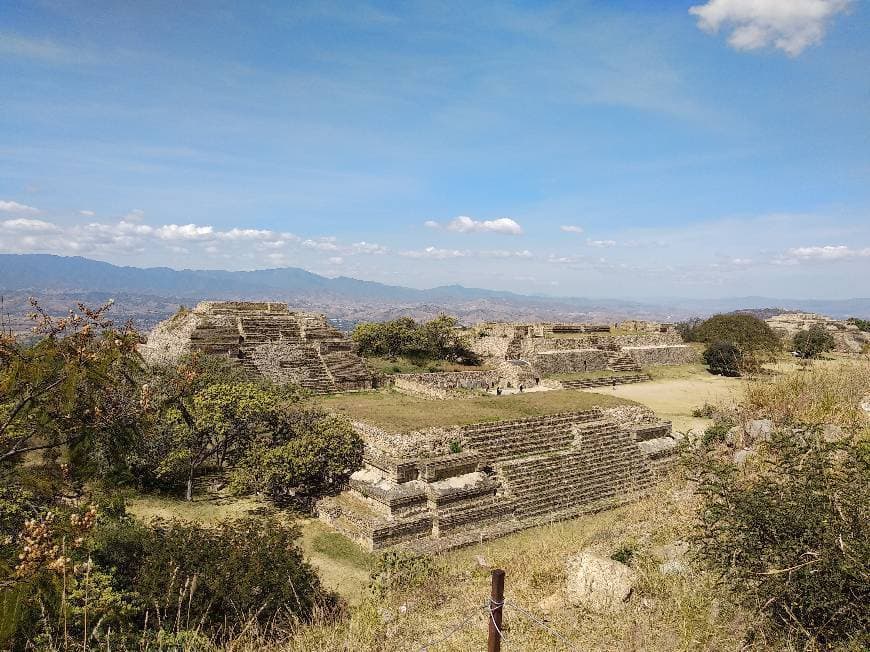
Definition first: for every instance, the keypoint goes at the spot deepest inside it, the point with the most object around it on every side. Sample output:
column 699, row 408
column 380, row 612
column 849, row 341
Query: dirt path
column 675, row 398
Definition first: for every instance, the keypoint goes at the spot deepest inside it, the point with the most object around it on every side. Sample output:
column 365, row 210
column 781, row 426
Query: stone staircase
column 307, row 364
column 277, row 327
column 619, row 361
column 605, row 464
column 347, row 370
column 515, row 346
column 504, row 440
column 604, row 381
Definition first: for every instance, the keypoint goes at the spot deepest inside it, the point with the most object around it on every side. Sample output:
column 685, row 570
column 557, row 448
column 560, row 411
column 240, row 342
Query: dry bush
column 818, row 395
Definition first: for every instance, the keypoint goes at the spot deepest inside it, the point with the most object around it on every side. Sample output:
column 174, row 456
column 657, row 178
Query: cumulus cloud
column 368, row 248
column 24, row 224
column 504, row 253
column 15, row 207
column 570, row 228
column 827, row 253
column 465, row 224
column 789, row 25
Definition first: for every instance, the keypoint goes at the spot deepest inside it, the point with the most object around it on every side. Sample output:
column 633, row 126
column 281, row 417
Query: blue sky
column 625, row 149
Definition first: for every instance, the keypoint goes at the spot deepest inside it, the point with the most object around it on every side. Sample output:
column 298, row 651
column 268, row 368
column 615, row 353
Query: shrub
column 862, row 324
column 792, row 537
column 437, row 339
column 724, row 358
column 812, row 342
column 397, row 570
column 224, row 576
column 755, row 339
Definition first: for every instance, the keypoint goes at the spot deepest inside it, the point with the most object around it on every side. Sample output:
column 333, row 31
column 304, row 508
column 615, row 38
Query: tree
column 200, row 418
column 755, row 339
column 861, row 324
column 313, row 456
column 438, row 339
column 812, row 342
column 75, row 389
column 724, row 358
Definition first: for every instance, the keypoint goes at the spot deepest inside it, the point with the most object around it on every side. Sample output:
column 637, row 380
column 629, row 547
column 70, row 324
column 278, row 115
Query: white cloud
column 368, row 248
column 503, row 253
column 827, row 253
column 789, row 25
column 184, row 232
column 570, row 228
column 434, row 253
column 15, row 207
column 336, row 260
column 25, row 224
column 326, row 243
column 601, row 243
column 87, row 213
column 465, row 224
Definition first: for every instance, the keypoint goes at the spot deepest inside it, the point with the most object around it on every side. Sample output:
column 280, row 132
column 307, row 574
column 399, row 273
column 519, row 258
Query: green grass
column 340, row 549
column 397, row 412
column 405, row 365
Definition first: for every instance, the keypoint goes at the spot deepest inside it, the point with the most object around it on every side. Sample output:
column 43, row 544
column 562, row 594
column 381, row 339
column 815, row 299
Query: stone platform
column 268, row 340
column 488, row 479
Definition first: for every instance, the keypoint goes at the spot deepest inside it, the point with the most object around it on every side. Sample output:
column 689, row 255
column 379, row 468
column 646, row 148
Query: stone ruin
column 848, row 338
column 441, row 488
column 268, row 340
column 523, row 352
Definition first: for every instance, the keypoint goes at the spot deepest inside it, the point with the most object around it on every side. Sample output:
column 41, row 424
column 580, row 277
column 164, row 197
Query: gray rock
column 676, row 550
column 734, row 436
column 741, row 456
column 832, row 433
column 759, row 429
column 598, row 583
column 673, row 567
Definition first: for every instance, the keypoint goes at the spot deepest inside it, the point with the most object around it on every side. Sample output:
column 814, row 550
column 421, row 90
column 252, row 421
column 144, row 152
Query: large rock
column 759, row 429
column 598, row 583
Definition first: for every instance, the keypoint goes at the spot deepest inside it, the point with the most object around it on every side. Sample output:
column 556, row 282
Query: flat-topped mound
column 396, row 412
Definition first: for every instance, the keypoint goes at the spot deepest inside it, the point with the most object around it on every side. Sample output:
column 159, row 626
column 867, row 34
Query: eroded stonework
column 268, row 340
column 440, row 488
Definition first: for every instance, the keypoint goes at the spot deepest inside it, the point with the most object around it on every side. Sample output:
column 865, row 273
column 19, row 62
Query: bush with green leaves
column 437, row 339
column 862, row 324
column 813, row 341
column 755, row 339
column 313, row 454
column 398, row 570
column 723, row 358
column 790, row 532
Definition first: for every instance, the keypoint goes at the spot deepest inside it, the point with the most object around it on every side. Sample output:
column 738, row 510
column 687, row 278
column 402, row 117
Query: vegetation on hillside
column 862, row 324
column 812, row 342
column 736, row 342
column 437, row 339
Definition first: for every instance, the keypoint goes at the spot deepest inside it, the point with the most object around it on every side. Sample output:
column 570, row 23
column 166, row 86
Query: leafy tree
column 438, row 339
column 688, row 329
column 313, row 455
column 723, row 358
column 200, row 419
column 754, row 337
column 791, row 534
column 812, row 342
column 76, row 388
column 862, row 324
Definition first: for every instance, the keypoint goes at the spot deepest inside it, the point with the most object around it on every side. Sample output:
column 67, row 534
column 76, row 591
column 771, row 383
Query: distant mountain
column 150, row 294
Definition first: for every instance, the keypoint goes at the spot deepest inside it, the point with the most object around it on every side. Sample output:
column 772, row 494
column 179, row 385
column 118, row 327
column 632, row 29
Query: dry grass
column 819, row 394
column 397, row 412
column 667, row 612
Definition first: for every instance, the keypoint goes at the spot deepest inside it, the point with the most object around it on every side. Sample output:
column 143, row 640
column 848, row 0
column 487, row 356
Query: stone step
column 605, row 381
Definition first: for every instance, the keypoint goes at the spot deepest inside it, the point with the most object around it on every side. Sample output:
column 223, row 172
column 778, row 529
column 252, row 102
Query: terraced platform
column 508, row 475
column 266, row 339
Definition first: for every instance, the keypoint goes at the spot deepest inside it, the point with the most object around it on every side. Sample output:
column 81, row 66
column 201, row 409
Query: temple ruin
column 268, row 340
column 441, row 488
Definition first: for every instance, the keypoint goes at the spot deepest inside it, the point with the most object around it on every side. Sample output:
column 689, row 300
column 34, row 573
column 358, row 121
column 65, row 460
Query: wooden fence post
column 496, row 603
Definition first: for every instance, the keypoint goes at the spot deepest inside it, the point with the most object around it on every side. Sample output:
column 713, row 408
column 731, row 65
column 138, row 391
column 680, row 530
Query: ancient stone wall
column 565, row 362
column 445, row 384
column 649, row 356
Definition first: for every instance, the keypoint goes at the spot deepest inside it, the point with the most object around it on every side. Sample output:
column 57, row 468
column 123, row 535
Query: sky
column 632, row 149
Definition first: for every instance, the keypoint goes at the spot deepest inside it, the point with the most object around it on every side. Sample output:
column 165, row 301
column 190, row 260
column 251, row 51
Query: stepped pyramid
column 267, row 339
column 499, row 477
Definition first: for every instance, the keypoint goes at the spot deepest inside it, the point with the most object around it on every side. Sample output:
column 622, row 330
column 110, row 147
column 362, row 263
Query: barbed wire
column 490, row 607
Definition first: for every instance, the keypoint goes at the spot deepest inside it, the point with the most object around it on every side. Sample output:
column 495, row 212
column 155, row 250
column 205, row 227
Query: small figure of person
column 585, row 364
column 614, row 382
column 537, row 381
column 521, row 389
column 498, row 391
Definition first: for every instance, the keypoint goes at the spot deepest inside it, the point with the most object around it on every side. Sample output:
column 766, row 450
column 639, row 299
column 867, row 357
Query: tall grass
column 818, row 395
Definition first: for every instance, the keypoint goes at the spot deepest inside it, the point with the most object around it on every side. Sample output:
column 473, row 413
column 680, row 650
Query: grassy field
column 397, row 412
column 404, row 365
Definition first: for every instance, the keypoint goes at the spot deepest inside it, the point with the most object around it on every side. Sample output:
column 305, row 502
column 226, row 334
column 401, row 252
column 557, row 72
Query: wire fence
column 490, row 607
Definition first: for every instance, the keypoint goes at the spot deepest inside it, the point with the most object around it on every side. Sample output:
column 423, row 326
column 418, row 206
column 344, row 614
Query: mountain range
column 150, row 294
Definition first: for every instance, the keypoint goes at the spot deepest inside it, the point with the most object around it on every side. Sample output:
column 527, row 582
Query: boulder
column 740, row 457
column 865, row 404
column 551, row 604
column 832, row 433
column 598, row 583
column 759, row 429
